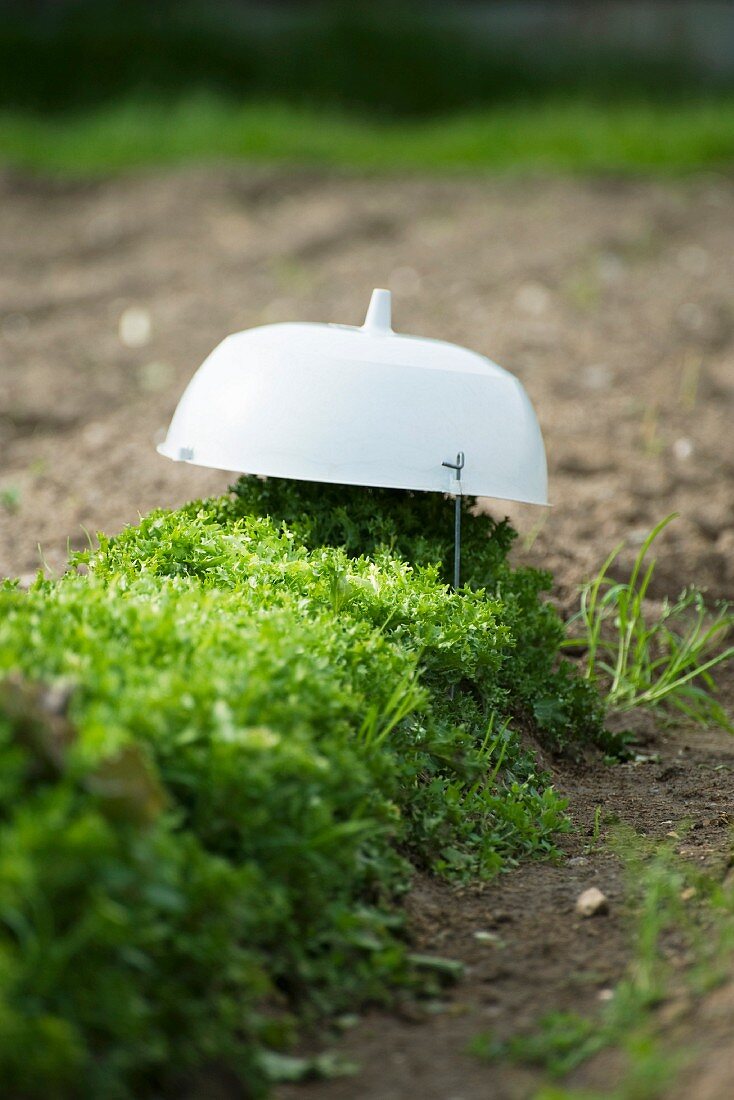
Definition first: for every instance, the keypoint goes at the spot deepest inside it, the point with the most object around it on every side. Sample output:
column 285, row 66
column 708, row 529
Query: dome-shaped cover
column 360, row 406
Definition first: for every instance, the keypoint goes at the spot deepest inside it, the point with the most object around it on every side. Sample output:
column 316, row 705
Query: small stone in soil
column 592, row 902
column 488, row 937
column 135, row 327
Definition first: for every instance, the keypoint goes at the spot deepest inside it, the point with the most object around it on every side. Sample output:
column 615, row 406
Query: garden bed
column 609, row 299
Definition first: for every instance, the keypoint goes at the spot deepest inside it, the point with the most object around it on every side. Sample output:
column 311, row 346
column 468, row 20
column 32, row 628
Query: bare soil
column 611, row 300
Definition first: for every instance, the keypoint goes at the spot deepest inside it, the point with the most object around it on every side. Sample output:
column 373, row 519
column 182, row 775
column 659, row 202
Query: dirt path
column 613, row 303
column 542, row 957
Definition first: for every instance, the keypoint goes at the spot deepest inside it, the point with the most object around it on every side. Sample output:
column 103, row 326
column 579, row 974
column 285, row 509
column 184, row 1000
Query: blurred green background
column 97, row 84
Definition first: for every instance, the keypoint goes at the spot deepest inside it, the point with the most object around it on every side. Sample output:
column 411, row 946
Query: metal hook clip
column 458, row 465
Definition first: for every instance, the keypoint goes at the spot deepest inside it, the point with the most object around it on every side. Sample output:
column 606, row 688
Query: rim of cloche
column 360, row 405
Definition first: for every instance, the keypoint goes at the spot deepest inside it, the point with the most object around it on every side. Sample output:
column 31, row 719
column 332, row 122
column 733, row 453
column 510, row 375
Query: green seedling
column 563, row 1041
column 658, row 662
column 582, row 288
column 652, row 443
column 10, row 498
column 596, row 829
column 530, row 537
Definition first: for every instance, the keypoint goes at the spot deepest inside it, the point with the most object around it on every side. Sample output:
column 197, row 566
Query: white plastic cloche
column 361, row 406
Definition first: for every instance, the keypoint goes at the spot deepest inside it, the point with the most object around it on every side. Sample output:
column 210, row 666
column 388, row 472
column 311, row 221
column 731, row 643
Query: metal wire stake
column 458, row 466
